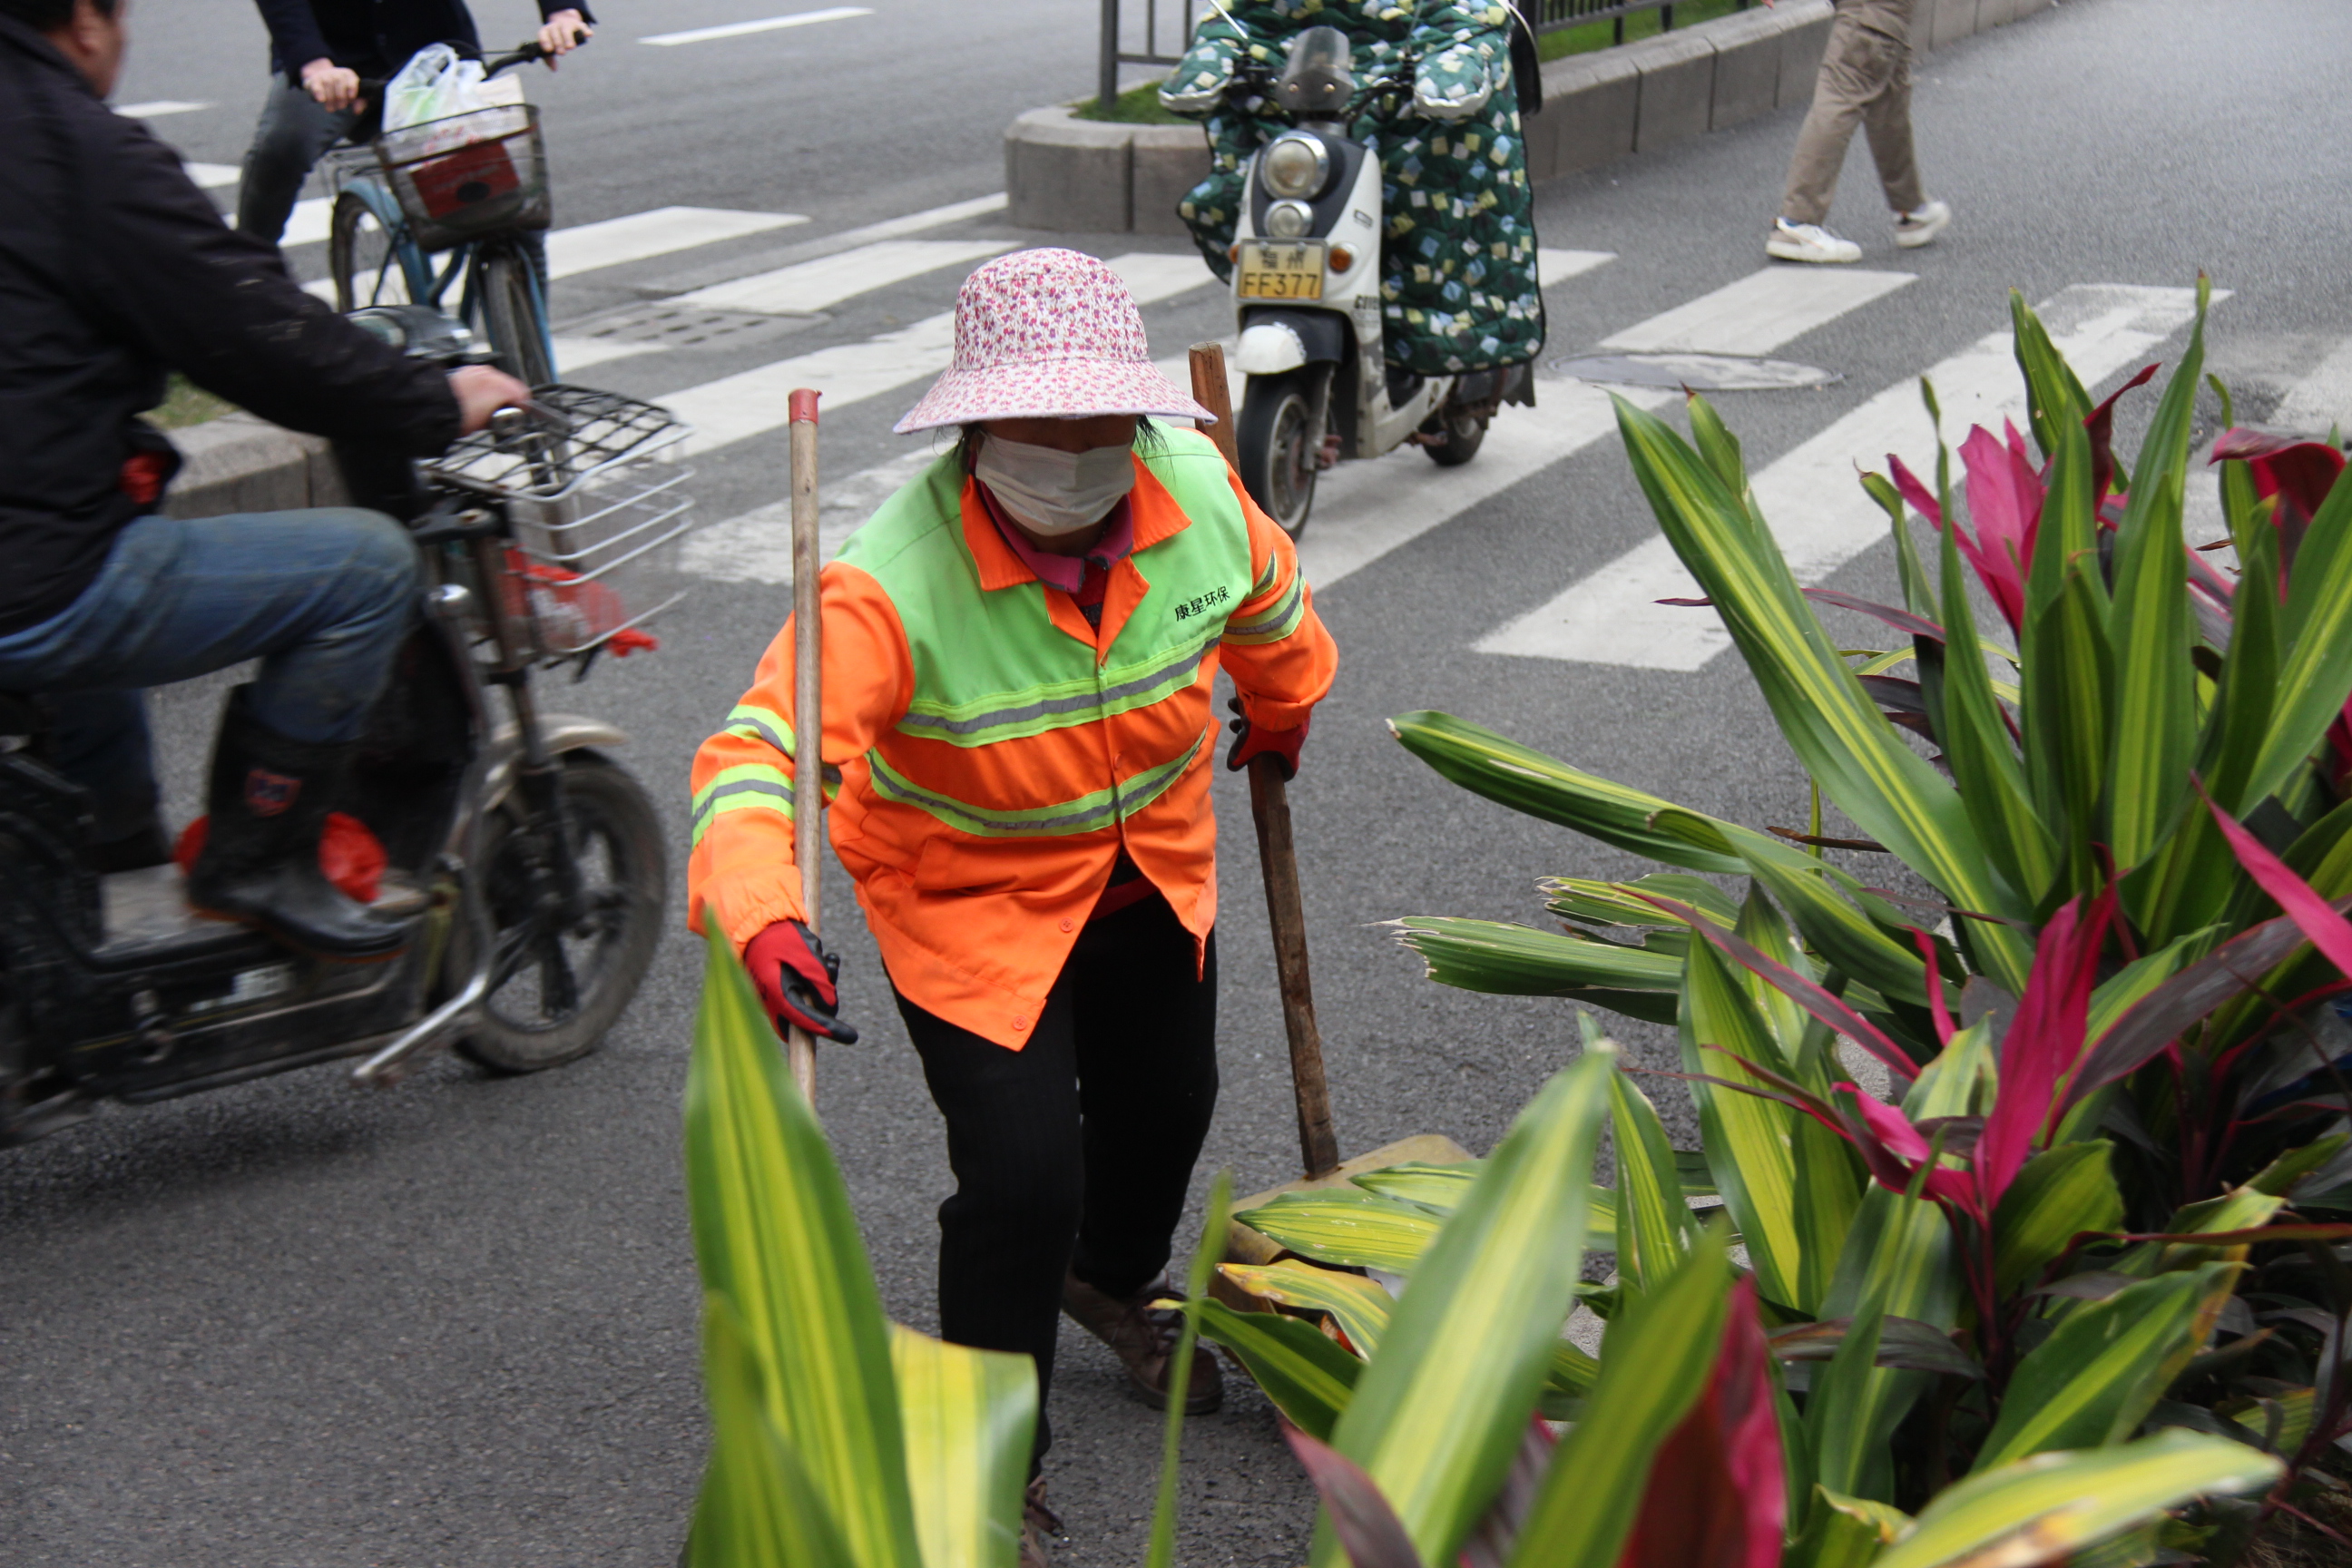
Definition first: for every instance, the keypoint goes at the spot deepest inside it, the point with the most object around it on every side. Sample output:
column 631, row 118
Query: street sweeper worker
column 1021, row 649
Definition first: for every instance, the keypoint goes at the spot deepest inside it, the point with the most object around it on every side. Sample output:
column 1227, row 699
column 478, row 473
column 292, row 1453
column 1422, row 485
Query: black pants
column 1074, row 1152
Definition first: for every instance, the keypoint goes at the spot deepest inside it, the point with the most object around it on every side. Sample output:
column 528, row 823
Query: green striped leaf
column 1441, row 1412
column 1437, row 1188
column 2316, row 672
column 777, row 1242
column 1311, row 1379
column 969, row 1417
column 1977, row 746
column 1748, row 1140
column 1655, row 1229
column 757, row 1505
column 2100, row 1372
column 2154, row 737
column 2068, row 679
column 1844, row 1532
column 2055, row 400
column 2043, row 1509
column 2241, row 718
column 1355, row 1229
column 1506, row 960
column 1621, row 903
column 1358, row 1305
column 1525, row 780
column 1660, row 1352
column 1837, row 731
column 2057, row 1195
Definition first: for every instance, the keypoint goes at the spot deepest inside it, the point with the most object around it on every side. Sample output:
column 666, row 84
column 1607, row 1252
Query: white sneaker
column 1807, row 242
column 1914, row 230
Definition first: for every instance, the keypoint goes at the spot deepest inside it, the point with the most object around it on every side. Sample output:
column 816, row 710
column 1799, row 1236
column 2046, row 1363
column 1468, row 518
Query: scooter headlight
column 1296, row 165
column 1289, row 220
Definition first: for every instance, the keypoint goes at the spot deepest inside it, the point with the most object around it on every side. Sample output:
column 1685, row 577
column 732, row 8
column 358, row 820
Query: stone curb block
column 1591, row 103
column 240, row 463
column 1096, row 177
column 1677, row 88
column 1747, row 67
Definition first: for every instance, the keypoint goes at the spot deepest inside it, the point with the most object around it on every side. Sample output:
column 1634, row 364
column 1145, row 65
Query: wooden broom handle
column 808, row 703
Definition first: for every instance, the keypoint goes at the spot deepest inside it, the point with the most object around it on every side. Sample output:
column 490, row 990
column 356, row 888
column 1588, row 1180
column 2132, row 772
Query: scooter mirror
column 1317, row 80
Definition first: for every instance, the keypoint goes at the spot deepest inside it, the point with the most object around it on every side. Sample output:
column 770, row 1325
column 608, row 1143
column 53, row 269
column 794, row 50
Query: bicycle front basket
column 484, row 172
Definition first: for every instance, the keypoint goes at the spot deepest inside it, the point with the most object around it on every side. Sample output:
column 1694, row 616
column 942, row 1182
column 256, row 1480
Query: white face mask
column 1051, row 491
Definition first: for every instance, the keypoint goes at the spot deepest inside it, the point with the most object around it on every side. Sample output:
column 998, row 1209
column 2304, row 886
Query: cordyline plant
column 2165, row 717
column 1714, row 1431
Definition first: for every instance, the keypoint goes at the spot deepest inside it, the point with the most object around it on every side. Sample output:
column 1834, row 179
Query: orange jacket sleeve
column 1275, row 647
column 742, row 872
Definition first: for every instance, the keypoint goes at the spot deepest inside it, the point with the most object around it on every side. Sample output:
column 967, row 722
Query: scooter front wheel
column 1464, row 433
column 1280, row 440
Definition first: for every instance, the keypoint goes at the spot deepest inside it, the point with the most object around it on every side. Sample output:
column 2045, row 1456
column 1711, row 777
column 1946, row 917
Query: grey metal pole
column 1107, row 74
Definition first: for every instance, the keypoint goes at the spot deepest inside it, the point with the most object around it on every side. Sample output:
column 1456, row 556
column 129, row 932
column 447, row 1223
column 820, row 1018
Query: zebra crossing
column 1365, row 511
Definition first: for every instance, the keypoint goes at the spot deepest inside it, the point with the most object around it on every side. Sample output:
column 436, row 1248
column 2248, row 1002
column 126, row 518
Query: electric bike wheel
column 555, row 990
column 1280, row 446
column 512, row 316
column 1464, row 433
column 364, row 258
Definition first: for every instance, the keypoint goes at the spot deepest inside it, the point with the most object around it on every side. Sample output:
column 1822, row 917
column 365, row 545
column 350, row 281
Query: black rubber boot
column 271, row 796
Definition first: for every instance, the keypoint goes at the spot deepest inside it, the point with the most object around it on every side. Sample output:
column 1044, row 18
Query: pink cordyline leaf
column 1943, row 1017
column 2101, row 425
column 1361, row 1517
column 2330, row 933
column 2300, row 471
column 2045, row 1040
column 2005, row 502
column 1922, row 500
column 1894, row 1129
column 1717, row 1497
column 1806, row 993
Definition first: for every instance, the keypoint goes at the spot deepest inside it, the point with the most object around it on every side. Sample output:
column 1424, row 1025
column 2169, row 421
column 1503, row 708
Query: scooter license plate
column 1280, row 269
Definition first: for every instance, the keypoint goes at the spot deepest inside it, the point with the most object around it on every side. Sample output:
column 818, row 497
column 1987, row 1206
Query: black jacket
column 374, row 38
column 113, row 267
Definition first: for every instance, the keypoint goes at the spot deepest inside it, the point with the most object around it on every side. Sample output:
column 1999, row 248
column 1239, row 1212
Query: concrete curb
column 1088, row 176
column 240, row 463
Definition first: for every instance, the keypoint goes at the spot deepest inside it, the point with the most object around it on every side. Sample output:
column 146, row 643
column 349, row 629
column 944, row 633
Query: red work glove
column 794, row 976
column 1253, row 741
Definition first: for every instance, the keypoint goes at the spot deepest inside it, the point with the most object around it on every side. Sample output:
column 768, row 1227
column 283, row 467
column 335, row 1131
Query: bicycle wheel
column 512, row 316
column 371, row 264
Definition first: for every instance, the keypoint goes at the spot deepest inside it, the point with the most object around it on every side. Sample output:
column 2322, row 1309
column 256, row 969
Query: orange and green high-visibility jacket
column 995, row 753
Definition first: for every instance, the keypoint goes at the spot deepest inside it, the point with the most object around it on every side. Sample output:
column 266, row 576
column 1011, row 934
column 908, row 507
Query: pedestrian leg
column 294, row 132
column 1013, row 1144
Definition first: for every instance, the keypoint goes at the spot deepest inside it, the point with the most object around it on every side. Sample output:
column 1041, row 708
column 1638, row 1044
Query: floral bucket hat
column 1047, row 333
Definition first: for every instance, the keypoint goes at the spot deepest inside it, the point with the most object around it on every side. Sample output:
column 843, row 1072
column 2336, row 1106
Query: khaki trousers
column 1866, row 79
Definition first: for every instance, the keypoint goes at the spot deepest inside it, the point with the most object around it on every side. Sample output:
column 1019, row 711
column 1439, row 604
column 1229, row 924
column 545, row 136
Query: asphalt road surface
column 291, row 1325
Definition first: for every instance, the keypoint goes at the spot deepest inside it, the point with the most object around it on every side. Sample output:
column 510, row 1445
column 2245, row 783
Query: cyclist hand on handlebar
column 482, row 392
column 562, row 32
column 331, row 84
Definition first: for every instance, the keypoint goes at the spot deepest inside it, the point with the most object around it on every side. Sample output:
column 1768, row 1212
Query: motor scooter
column 532, row 863
column 1307, row 288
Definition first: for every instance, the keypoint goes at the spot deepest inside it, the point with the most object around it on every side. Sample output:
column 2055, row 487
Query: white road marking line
column 766, row 25
column 2322, row 399
column 1558, row 266
column 159, row 107
column 638, row 236
column 757, row 547
column 574, row 354
column 915, row 223
column 1817, row 512
column 755, row 402
column 1364, row 509
column 212, row 176
column 810, row 286
column 1154, row 275
column 310, row 222
column 1759, row 312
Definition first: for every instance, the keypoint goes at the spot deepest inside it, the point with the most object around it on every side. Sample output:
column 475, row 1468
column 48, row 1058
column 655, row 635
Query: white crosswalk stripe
column 807, row 287
column 640, row 237
column 2322, row 400
column 765, row 25
column 1759, row 312
column 753, row 401
column 1817, row 512
column 212, row 176
column 159, row 107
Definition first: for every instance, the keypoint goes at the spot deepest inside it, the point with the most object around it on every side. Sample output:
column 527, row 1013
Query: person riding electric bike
column 114, row 267
column 1459, row 291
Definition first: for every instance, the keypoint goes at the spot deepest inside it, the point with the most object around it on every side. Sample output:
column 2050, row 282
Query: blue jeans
column 322, row 598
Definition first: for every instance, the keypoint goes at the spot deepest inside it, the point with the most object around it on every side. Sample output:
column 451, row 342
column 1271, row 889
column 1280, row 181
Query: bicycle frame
column 425, row 285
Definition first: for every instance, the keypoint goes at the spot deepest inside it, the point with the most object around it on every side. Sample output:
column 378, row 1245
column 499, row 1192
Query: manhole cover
column 669, row 324
column 1700, row 373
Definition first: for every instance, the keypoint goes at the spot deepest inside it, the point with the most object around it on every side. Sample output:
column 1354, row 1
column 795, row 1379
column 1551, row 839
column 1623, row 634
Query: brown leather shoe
column 1037, row 1522
column 1145, row 1339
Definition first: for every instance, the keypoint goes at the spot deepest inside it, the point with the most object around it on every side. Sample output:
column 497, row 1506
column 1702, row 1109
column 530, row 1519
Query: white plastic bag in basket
column 436, row 83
